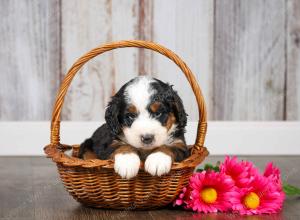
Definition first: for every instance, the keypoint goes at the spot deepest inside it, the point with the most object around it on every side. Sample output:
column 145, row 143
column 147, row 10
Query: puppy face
column 146, row 113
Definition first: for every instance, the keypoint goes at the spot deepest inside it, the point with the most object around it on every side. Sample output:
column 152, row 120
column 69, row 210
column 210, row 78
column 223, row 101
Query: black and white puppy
column 145, row 121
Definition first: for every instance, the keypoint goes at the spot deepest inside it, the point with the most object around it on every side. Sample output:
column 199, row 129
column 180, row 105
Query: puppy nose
column 147, row 138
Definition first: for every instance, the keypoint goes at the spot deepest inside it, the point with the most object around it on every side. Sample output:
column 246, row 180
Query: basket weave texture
column 94, row 182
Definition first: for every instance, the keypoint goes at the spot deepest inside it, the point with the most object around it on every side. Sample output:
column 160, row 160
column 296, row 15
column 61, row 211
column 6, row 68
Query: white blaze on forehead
column 139, row 92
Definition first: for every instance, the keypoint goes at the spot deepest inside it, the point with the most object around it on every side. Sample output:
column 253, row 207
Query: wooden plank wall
column 249, row 61
column 293, row 60
column 245, row 55
column 29, row 58
column 85, row 26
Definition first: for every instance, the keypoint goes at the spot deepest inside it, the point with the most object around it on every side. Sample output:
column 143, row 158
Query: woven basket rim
column 57, row 154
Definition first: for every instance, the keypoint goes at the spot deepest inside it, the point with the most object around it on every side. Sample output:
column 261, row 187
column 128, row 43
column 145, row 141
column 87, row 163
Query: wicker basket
column 94, row 182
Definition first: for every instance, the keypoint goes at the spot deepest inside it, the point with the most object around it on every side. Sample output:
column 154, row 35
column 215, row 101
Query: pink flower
column 211, row 192
column 261, row 196
column 273, row 173
column 184, row 197
column 241, row 172
column 238, row 187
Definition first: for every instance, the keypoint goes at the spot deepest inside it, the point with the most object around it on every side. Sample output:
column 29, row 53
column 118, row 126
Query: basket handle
column 202, row 123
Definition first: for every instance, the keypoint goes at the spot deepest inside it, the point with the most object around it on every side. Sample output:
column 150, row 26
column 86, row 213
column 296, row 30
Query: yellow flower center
column 209, row 195
column 251, row 201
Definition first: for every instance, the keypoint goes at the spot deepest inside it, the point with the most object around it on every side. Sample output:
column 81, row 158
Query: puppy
column 145, row 121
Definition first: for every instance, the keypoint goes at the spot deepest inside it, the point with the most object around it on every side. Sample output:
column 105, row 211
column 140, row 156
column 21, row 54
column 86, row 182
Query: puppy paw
column 127, row 165
column 158, row 163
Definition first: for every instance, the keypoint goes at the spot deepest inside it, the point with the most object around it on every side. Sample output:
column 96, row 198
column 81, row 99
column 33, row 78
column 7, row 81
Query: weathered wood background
column 245, row 54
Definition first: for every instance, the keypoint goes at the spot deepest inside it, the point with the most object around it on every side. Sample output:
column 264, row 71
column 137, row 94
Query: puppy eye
column 157, row 114
column 130, row 116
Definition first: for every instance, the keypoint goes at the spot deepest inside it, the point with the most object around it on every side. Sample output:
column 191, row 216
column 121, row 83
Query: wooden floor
column 30, row 189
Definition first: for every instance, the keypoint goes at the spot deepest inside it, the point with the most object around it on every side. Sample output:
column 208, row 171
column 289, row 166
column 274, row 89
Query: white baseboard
column 251, row 138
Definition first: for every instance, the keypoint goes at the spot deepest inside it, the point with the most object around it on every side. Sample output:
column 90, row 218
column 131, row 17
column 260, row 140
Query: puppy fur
column 145, row 121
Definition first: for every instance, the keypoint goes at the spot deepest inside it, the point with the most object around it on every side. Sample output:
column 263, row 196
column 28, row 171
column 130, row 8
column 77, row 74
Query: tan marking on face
column 171, row 120
column 155, row 106
column 132, row 109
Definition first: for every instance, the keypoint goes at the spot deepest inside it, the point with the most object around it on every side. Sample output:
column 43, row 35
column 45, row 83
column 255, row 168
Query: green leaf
column 199, row 170
column 290, row 190
column 209, row 166
column 217, row 169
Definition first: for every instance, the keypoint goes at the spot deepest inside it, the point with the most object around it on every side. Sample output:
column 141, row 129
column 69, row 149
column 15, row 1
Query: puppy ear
column 111, row 115
column 178, row 108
